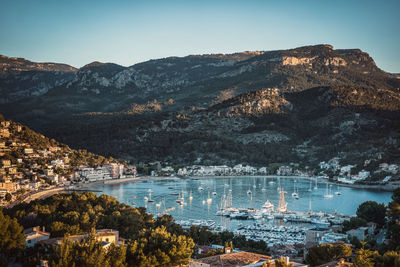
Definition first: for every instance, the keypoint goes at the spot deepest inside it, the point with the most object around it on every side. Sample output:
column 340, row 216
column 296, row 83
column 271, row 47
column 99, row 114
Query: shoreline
column 390, row 187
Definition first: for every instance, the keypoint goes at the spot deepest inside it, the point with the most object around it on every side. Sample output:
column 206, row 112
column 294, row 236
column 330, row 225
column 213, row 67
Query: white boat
column 310, row 189
column 214, row 193
column 249, row 192
column 338, row 192
column 190, row 196
column 209, row 199
column 267, row 207
column 201, row 188
column 320, row 222
column 316, row 183
column 271, row 182
column 328, row 194
column 295, row 194
column 263, row 189
column 149, row 198
column 204, row 202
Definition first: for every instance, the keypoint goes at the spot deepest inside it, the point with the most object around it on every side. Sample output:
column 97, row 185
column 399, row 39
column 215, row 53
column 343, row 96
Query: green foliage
column 364, row 258
column 78, row 213
column 89, row 252
column 394, row 221
column 389, row 259
column 327, row 252
column 158, row 247
column 353, row 223
column 202, row 236
column 210, row 253
column 12, row 239
column 372, row 212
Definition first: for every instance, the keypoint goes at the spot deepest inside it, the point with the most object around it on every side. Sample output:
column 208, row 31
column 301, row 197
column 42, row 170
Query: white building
column 34, row 235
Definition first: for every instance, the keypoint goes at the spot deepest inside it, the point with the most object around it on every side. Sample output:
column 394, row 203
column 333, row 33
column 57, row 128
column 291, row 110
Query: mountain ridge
column 304, row 105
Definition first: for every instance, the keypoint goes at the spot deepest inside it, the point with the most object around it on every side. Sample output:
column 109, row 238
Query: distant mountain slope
column 21, row 78
column 304, row 105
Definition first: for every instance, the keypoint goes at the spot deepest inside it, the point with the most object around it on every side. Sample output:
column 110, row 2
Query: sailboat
column 149, row 199
column 282, row 206
column 338, row 192
column 209, row 199
column 254, row 185
column 310, row 189
column 316, row 183
column 264, row 189
column 190, row 196
column 328, row 194
column 214, row 193
column 295, row 194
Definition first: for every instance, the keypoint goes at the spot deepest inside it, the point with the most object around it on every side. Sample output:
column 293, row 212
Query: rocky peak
column 13, row 64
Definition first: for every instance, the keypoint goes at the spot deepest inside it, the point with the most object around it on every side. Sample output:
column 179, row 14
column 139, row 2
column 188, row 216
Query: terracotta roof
column 234, row 259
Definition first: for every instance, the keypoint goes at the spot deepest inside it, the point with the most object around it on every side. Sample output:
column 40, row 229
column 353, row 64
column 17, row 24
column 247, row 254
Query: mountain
column 20, row 78
column 303, row 105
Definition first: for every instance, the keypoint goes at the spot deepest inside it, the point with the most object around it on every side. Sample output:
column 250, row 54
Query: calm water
column 135, row 192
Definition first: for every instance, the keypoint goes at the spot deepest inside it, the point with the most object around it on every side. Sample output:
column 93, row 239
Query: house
column 6, row 163
column 360, row 233
column 314, row 236
column 28, row 150
column 34, row 235
column 7, row 185
column 105, row 236
column 284, row 170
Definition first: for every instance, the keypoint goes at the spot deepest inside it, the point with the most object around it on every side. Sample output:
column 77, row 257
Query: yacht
column 267, row 207
column 249, row 192
column 201, row 188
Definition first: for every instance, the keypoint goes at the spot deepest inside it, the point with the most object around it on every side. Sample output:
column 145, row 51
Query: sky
column 128, row 31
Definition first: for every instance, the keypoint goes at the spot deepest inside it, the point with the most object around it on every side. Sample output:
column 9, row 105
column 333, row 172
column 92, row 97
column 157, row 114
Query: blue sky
column 127, row 32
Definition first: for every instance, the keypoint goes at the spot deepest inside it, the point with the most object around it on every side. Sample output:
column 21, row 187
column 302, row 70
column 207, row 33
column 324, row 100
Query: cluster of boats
column 186, row 224
column 273, row 235
column 267, row 211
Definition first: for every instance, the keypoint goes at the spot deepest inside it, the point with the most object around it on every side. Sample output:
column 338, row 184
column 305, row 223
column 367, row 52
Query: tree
column 394, row 220
column 327, row 252
column 389, row 259
column 12, row 239
column 8, row 197
column 88, row 252
column 278, row 263
column 372, row 212
column 157, row 247
column 365, row 257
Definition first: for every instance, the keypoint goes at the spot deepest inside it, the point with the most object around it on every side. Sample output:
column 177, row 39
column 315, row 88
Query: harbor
column 278, row 211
